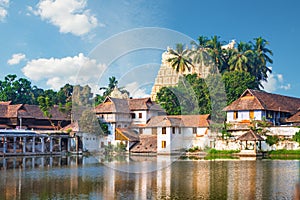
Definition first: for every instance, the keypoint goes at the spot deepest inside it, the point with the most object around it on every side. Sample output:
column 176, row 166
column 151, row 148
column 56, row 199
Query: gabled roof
column 250, row 136
column 294, row 118
column 7, row 110
column 127, row 134
column 113, row 105
column 179, row 121
column 116, row 105
column 260, row 100
column 147, row 144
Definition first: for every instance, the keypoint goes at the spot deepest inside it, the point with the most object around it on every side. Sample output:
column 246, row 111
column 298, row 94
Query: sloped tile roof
column 147, row 144
column 35, row 112
column 250, row 136
column 260, row 100
column 130, row 134
column 113, row 105
column 179, row 121
column 28, row 111
column 116, row 105
column 74, row 126
column 294, row 118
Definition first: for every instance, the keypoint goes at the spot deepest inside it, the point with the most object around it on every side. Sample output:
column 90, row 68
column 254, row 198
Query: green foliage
column 45, row 104
column 272, row 139
column 236, row 82
column 214, row 151
column 189, row 97
column 194, row 149
column 296, row 137
column 285, row 152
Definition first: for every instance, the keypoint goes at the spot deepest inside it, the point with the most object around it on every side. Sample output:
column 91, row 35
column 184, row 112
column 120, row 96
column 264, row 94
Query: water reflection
column 88, row 178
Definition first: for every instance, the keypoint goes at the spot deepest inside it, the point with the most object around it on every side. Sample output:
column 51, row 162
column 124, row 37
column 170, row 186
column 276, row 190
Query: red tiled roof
column 294, row 118
column 113, row 105
column 179, row 120
column 129, row 134
column 74, row 126
column 28, row 111
column 260, row 100
column 250, row 136
column 5, row 102
column 116, row 105
column 147, row 144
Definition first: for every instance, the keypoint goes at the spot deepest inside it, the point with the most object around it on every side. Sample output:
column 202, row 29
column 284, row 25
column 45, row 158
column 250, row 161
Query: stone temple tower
column 167, row 76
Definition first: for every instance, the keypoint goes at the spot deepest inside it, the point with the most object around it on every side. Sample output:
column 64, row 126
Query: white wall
column 138, row 120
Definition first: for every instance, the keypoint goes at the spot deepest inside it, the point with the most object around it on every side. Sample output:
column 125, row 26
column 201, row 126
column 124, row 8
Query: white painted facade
column 180, row 138
column 244, row 115
column 95, row 143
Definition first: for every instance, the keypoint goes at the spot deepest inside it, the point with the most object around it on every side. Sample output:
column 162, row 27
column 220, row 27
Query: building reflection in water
column 86, row 178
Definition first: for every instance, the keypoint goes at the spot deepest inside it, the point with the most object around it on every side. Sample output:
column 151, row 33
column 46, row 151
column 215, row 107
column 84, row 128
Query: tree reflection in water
column 77, row 177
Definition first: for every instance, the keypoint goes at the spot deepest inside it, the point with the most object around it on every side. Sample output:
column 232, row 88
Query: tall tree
column 180, row 59
column 236, row 82
column 112, row 83
column 199, row 52
column 214, row 46
column 262, row 54
column 242, row 58
column 46, row 105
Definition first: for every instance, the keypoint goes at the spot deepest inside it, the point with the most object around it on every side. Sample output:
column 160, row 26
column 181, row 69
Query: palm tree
column 214, row 47
column 262, row 58
column 179, row 58
column 242, row 58
column 199, row 51
column 112, row 83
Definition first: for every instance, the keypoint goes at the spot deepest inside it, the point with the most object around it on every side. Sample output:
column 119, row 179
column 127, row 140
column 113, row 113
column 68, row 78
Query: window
column 164, row 130
column 173, row 130
column 163, row 144
column 194, row 130
column 133, row 115
column 251, row 114
column 235, row 115
column 140, row 115
column 102, row 116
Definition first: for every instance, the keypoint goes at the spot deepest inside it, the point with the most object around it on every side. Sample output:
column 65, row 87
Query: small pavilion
column 253, row 138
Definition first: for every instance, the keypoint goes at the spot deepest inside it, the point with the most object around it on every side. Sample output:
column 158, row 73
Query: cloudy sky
column 53, row 42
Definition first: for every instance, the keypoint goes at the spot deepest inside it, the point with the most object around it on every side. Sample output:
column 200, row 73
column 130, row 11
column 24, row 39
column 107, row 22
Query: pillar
column 59, row 144
column 51, row 144
column 69, row 145
column 5, row 144
column 24, row 144
column 43, row 144
column 33, row 144
column 15, row 145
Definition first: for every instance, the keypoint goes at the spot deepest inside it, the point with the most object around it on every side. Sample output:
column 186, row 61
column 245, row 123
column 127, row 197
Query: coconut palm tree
column 199, row 51
column 242, row 58
column 214, row 47
column 261, row 59
column 112, row 83
column 179, row 58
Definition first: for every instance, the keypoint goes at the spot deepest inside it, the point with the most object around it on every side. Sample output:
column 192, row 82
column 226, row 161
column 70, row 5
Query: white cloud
column 135, row 90
column 71, row 16
column 3, row 9
column 275, row 81
column 58, row 71
column 16, row 59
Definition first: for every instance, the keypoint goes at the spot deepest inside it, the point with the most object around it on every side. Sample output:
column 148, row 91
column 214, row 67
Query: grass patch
column 223, row 152
column 284, row 152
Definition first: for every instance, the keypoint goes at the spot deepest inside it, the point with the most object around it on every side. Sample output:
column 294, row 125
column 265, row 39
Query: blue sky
column 52, row 42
